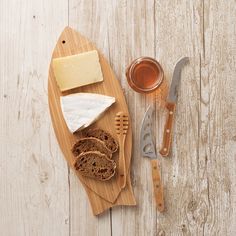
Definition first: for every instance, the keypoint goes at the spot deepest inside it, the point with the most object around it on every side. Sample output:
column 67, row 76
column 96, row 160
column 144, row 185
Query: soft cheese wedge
column 81, row 109
column 77, row 70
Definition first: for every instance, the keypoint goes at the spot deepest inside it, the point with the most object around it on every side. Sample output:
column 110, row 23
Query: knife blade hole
column 63, row 41
column 147, row 148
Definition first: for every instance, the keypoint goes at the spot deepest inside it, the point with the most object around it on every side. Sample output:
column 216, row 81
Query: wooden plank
column 178, row 33
column 75, row 43
column 33, row 175
column 84, row 16
column 218, row 115
column 199, row 179
column 131, row 29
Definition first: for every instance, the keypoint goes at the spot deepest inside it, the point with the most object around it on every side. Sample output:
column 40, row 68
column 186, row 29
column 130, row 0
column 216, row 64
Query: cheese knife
column 171, row 105
column 148, row 150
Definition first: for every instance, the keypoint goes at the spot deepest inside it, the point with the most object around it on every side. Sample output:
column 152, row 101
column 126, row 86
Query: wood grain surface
column 39, row 193
column 157, row 185
column 70, row 43
column 168, row 130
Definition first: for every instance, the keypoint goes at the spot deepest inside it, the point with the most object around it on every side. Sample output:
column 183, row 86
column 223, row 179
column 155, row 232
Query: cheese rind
column 77, row 70
column 82, row 109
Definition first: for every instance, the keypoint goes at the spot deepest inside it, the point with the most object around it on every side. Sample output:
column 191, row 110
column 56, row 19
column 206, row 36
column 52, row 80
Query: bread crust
column 104, row 136
column 90, row 144
column 95, row 165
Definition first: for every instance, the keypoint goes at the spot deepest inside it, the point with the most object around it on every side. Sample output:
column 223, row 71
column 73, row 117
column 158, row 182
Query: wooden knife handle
column 157, row 185
column 167, row 136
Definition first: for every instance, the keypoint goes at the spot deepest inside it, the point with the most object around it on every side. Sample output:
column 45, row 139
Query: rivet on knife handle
column 157, row 185
column 167, row 136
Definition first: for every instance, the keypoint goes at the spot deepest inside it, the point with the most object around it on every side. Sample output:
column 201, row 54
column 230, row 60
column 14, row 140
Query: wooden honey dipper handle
column 122, row 166
column 122, row 124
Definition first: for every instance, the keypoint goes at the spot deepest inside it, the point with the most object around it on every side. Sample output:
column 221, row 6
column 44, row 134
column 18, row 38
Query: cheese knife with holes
column 171, row 105
column 148, row 150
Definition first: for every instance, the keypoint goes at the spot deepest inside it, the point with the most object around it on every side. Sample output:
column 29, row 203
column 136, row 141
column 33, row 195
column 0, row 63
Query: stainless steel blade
column 173, row 92
column 146, row 137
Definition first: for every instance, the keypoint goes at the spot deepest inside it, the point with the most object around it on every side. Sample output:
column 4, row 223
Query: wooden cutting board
column 71, row 42
column 99, row 205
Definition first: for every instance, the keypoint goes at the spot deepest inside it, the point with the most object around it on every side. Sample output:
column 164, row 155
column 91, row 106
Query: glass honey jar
column 144, row 75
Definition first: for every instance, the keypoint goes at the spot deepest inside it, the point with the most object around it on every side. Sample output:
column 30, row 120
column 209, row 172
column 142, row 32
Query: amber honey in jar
column 144, row 75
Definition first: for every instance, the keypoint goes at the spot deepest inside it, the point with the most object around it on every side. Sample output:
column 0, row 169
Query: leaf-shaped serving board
column 106, row 193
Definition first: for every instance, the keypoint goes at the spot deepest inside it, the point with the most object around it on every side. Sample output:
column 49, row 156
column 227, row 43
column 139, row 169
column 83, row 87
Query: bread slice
column 104, row 136
column 95, row 165
column 90, row 144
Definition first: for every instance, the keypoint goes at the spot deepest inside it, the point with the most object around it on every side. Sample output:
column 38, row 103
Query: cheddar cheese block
column 77, row 70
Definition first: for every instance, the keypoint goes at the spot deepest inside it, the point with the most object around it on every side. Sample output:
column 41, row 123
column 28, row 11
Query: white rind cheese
column 77, row 70
column 82, row 109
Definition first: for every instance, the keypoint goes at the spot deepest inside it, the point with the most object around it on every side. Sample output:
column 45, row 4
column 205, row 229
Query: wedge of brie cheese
column 81, row 109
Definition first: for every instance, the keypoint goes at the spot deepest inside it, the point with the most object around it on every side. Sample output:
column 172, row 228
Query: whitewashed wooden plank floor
column 38, row 193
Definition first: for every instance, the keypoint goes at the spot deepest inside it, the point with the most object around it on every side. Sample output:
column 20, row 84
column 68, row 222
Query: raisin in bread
column 95, row 165
column 90, row 144
column 104, row 136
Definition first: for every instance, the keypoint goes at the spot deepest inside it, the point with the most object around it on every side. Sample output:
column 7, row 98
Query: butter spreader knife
column 171, row 105
column 148, row 150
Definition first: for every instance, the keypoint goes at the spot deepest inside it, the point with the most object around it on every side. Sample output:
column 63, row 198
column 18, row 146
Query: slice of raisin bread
column 95, row 165
column 104, row 136
column 90, row 144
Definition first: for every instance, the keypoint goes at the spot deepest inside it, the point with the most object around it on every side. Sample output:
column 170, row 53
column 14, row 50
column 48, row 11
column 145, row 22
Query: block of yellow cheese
column 77, row 70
